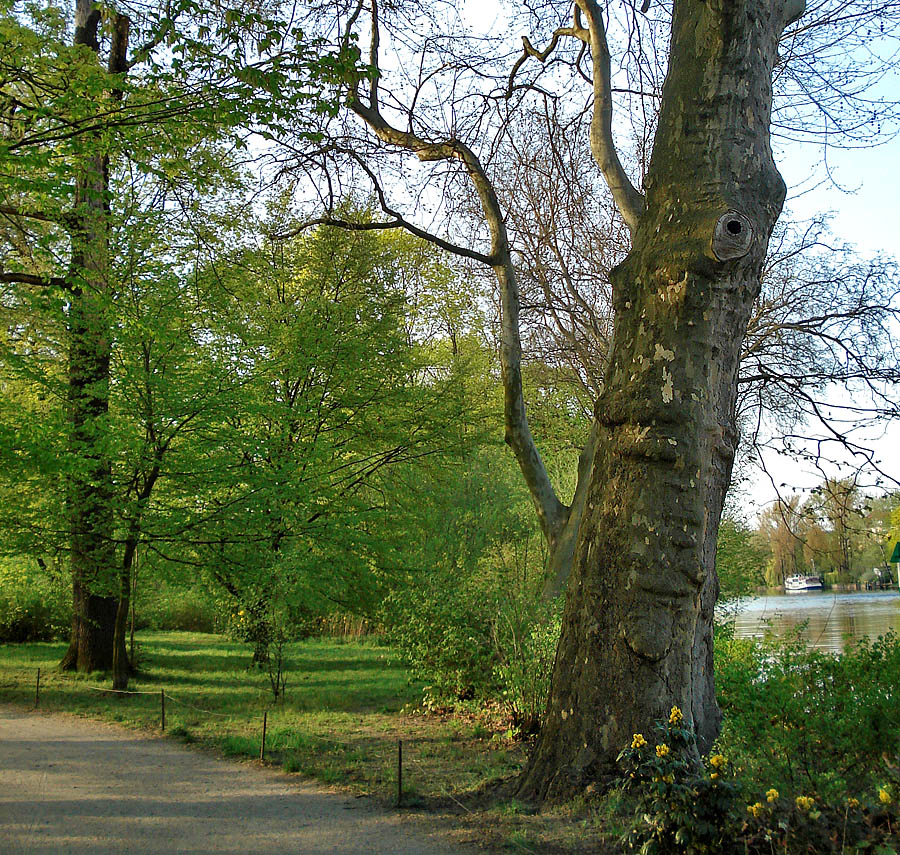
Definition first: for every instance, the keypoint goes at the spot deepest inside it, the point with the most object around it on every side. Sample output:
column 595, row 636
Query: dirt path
column 69, row 785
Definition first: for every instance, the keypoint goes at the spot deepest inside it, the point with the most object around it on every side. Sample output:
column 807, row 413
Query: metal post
column 399, row 771
column 37, row 689
column 262, row 745
column 162, row 707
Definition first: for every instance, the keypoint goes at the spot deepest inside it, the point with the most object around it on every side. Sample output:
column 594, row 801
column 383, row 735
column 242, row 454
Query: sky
column 864, row 197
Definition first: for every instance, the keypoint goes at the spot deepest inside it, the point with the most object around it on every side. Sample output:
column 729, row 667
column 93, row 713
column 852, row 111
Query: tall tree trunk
column 121, row 665
column 90, row 488
column 637, row 626
column 90, row 484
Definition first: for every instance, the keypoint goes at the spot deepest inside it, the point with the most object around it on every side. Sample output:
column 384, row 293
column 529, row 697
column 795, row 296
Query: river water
column 830, row 618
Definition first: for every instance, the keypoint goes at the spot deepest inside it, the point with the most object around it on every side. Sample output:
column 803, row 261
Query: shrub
column 682, row 806
column 700, row 809
column 35, row 603
column 804, row 721
column 526, row 648
column 172, row 607
column 442, row 629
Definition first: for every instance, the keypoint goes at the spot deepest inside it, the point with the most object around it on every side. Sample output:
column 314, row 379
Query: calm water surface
column 831, row 618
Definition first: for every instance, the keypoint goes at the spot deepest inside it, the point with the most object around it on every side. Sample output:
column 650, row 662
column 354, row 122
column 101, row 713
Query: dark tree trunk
column 90, row 484
column 121, row 665
column 637, row 626
column 90, row 487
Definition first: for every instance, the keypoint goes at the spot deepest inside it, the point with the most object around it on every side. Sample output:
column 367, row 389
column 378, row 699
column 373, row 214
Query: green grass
column 345, row 710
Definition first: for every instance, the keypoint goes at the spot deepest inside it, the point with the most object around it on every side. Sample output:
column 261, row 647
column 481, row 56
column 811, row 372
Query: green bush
column 169, row 607
column 807, row 722
column 688, row 808
column 443, row 631
column 682, row 807
column 526, row 644
column 35, row 603
column 480, row 633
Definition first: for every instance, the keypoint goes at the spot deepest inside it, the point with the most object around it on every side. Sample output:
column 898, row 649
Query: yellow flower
column 755, row 809
column 884, row 796
column 669, row 779
column 714, row 776
column 852, row 803
column 717, row 761
column 675, row 717
column 771, row 795
column 638, row 741
column 662, row 750
column 804, row 803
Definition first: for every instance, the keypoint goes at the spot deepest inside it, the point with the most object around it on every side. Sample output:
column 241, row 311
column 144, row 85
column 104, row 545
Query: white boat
column 802, row 583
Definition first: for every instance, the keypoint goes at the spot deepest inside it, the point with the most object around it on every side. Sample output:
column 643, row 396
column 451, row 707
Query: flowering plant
column 684, row 805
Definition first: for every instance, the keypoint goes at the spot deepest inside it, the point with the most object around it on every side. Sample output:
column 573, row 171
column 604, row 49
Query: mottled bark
column 637, row 626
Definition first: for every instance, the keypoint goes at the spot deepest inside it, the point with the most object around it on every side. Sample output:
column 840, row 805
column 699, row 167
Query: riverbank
column 806, row 725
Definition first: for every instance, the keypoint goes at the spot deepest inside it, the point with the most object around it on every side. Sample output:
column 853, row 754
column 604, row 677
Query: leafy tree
column 784, row 527
column 740, row 560
column 133, row 84
column 284, row 497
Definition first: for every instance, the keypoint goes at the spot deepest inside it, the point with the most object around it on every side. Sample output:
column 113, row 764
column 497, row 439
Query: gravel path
column 68, row 785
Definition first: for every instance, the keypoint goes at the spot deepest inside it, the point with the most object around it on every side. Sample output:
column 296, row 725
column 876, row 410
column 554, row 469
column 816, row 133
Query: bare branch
column 396, row 223
column 552, row 514
column 528, row 50
column 628, row 199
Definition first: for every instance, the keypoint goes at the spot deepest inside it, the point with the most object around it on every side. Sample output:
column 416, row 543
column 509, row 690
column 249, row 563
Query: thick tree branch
column 28, row 214
column 33, row 279
column 397, row 222
column 628, row 200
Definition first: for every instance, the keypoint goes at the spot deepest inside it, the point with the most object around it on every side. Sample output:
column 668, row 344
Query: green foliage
column 526, row 637
column 808, row 722
column 287, row 488
column 472, row 597
column 442, row 628
column 716, row 807
column 35, row 603
column 807, row 823
column 740, row 559
column 162, row 605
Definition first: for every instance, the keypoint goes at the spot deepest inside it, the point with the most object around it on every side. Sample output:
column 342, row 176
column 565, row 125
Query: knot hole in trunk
column 732, row 236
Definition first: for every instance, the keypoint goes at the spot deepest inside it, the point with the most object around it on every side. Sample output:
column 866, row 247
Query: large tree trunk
column 90, row 487
column 90, row 484
column 637, row 627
